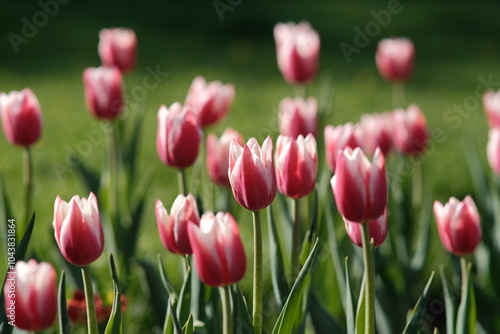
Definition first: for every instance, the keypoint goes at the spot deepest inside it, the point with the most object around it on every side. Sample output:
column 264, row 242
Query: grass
column 455, row 45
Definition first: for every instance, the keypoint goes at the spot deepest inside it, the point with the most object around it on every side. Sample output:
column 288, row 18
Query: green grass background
column 456, row 42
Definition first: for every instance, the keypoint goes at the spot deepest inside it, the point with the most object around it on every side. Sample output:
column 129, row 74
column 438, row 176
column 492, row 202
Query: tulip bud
column 78, row 229
column 493, row 149
column 251, row 174
column 377, row 227
column 297, row 50
column 296, row 165
column 360, row 187
column 21, row 117
column 374, row 130
column 211, row 101
column 336, row 139
column 178, row 138
column 491, row 103
column 173, row 226
column 118, row 47
column 218, row 155
column 30, row 295
column 458, row 225
column 103, row 91
column 298, row 117
column 219, row 255
column 394, row 58
column 410, row 130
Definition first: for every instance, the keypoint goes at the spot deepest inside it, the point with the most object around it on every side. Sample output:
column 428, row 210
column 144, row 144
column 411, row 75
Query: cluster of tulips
column 355, row 154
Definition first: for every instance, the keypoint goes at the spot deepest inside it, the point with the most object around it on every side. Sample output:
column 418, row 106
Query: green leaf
column 188, row 326
column 277, row 258
column 312, row 232
column 114, row 325
column 184, row 302
column 288, row 315
column 322, row 320
column 436, row 331
column 466, row 316
column 349, row 303
column 360, row 313
column 423, row 240
column 158, row 300
column 414, row 323
column 64, row 323
column 241, row 315
column 90, row 178
column 175, row 319
column 164, row 278
column 449, row 304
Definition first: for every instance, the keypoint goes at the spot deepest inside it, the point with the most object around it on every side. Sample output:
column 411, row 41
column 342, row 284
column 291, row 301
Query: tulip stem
column 113, row 179
column 257, row 273
column 416, row 198
column 226, row 309
column 398, row 94
column 90, row 302
column 181, row 179
column 465, row 279
column 295, row 239
column 28, row 187
column 370, row 280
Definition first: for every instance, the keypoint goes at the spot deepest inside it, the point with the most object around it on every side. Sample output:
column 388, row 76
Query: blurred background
column 457, row 59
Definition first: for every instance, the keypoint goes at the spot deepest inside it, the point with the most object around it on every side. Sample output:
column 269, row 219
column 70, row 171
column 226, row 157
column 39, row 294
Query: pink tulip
column 173, row 226
column 218, row 251
column 394, row 58
column 410, row 134
column 360, row 187
column 336, row 139
column 298, row 117
column 251, row 174
column 103, row 91
column 377, row 227
column 296, row 165
column 297, row 49
column 374, row 130
column 21, row 117
column 78, row 229
column 491, row 103
column 493, row 149
column 458, row 225
column 30, row 295
column 118, row 47
column 179, row 136
column 218, row 155
column 211, row 101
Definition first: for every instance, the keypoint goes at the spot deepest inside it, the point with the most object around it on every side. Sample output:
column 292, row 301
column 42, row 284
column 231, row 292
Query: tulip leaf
column 64, row 323
column 277, row 258
column 414, row 323
column 436, row 331
column 164, row 278
column 158, row 300
column 288, row 316
column 422, row 248
column 114, row 325
column 449, row 304
column 361, row 311
column 241, row 316
column 312, row 232
column 90, row 178
column 466, row 316
column 322, row 320
column 184, row 302
column 175, row 319
column 189, row 326
column 349, row 303
column 168, row 326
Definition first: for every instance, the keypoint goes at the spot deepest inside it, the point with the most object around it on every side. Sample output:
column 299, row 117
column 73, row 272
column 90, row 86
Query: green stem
column 181, row 179
column 370, row 280
column 465, row 280
column 113, row 177
column 187, row 265
column 90, row 302
column 398, row 94
column 226, row 309
column 28, row 187
column 295, row 239
column 417, row 185
column 257, row 273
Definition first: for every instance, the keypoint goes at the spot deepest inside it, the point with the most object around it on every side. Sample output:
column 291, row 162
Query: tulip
column 377, row 227
column 21, row 117
column 251, row 174
column 336, row 139
column 458, row 224
column 211, row 101
column 296, row 165
column 491, row 103
column 218, row 155
column 218, row 251
column 103, row 91
column 493, row 149
column 173, row 226
column 374, row 130
column 360, row 187
column 30, row 295
column 298, row 117
column 394, row 59
column 410, row 133
column 118, row 47
column 178, row 138
column 78, row 229
column 297, row 49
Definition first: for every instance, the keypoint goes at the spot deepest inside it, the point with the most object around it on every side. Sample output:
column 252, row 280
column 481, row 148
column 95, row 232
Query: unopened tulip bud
column 218, row 155
column 336, row 139
column 118, row 47
column 394, row 58
column 103, row 91
column 298, row 117
column 378, row 229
